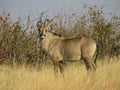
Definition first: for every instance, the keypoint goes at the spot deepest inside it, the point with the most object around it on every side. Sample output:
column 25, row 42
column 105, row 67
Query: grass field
column 106, row 77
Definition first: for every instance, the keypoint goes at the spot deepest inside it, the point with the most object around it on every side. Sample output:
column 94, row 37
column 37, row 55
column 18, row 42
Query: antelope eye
column 45, row 30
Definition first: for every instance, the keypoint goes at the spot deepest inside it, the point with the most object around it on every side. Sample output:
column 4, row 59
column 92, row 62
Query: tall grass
column 75, row 78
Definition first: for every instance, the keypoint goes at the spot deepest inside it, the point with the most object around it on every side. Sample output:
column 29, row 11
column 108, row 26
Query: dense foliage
column 20, row 45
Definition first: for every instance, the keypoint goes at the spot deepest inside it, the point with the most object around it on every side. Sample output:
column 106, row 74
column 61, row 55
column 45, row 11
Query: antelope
column 61, row 49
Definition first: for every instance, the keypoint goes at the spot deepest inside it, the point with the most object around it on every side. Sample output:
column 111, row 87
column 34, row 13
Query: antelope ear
column 48, row 25
column 39, row 24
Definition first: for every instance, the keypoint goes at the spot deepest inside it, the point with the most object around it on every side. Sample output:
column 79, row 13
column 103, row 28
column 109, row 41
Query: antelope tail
column 96, row 54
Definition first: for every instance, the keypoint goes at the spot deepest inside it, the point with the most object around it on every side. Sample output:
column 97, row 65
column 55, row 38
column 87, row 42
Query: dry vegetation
column 75, row 78
column 19, row 43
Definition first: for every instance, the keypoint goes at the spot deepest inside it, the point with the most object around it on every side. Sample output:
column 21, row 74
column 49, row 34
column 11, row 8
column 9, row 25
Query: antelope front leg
column 62, row 66
column 56, row 67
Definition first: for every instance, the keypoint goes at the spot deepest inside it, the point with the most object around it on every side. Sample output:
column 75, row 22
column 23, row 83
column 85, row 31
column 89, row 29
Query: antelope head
column 43, row 28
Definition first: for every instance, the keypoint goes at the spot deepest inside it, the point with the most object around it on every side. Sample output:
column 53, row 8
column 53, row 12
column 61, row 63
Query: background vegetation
column 19, row 44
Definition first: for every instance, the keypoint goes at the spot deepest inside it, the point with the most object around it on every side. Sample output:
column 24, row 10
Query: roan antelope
column 61, row 49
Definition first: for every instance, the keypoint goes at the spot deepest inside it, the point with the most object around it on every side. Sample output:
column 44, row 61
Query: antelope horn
column 45, row 22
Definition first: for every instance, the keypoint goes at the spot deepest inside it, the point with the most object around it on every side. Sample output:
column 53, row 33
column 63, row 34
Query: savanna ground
column 106, row 77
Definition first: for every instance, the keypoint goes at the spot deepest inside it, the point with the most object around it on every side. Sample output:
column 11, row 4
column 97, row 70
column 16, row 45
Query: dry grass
column 107, row 77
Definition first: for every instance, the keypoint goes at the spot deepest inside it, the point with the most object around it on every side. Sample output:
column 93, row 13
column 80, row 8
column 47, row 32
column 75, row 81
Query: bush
column 20, row 45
